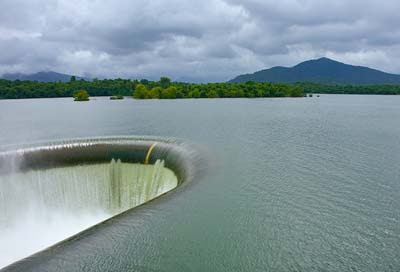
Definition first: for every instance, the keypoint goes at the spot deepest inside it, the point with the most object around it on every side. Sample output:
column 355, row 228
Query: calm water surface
column 307, row 184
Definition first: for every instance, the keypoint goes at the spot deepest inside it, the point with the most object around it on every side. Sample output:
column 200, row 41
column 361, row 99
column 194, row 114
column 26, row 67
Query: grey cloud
column 199, row 40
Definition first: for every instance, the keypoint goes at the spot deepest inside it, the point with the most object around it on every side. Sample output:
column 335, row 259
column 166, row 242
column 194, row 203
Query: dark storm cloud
column 196, row 40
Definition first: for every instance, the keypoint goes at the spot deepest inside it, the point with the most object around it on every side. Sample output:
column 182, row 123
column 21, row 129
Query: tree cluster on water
column 145, row 89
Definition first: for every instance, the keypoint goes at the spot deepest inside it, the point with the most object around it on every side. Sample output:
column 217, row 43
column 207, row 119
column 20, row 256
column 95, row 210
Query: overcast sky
column 208, row 40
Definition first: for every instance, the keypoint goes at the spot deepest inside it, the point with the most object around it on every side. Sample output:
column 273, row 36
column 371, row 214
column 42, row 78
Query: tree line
column 34, row 89
column 166, row 89
column 145, row 89
column 349, row 89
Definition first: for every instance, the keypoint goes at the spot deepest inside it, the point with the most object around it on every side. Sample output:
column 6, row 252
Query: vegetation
column 117, row 97
column 81, row 95
column 298, row 78
column 168, row 90
column 348, row 89
column 145, row 89
column 34, row 89
column 165, row 89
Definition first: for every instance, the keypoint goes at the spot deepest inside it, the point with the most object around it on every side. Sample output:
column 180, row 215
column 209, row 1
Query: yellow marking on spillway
column 146, row 161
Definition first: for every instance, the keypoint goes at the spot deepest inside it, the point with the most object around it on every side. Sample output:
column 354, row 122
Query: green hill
column 322, row 71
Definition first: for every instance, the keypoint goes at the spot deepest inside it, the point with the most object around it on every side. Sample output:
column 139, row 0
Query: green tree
column 155, row 93
column 140, row 92
column 144, row 82
column 179, row 94
column 194, row 94
column 169, row 93
column 81, row 95
column 239, row 93
column 73, row 78
column 212, row 94
column 165, row 82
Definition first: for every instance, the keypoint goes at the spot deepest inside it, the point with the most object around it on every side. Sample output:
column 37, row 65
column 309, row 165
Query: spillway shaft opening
column 62, row 201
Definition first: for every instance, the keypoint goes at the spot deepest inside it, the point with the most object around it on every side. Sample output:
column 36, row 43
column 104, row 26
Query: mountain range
column 49, row 76
column 323, row 71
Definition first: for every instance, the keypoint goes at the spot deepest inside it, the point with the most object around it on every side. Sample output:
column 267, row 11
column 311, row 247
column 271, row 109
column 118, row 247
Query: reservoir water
column 306, row 184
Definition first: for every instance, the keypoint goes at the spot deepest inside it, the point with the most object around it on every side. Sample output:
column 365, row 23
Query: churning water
column 55, row 203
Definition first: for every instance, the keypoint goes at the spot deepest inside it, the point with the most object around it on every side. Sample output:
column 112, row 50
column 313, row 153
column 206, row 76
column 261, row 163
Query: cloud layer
column 210, row 40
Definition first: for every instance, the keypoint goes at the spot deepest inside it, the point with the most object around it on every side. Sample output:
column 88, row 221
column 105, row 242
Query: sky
column 191, row 40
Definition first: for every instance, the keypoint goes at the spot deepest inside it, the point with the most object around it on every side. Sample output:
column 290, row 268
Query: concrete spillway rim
column 153, row 146
column 192, row 167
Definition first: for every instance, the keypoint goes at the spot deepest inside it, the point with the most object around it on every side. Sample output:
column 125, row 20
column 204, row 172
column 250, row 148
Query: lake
column 293, row 184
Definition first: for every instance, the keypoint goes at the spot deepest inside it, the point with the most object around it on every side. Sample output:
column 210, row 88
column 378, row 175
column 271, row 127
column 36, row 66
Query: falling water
column 133, row 184
column 62, row 201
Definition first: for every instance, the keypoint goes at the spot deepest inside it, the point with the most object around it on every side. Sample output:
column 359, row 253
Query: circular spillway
column 62, row 188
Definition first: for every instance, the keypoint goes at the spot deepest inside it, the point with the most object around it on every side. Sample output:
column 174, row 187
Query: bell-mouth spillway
column 101, row 177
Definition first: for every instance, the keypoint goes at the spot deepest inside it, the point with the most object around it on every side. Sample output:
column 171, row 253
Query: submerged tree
column 169, row 93
column 81, row 95
column 155, row 93
column 140, row 92
column 117, row 97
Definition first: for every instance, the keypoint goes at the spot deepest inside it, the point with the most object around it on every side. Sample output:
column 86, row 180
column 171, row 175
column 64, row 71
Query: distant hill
column 41, row 76
column 323, row 71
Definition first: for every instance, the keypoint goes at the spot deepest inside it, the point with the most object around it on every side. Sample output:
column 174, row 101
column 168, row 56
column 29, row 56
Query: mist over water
column 42, row 207
column 34, row 232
